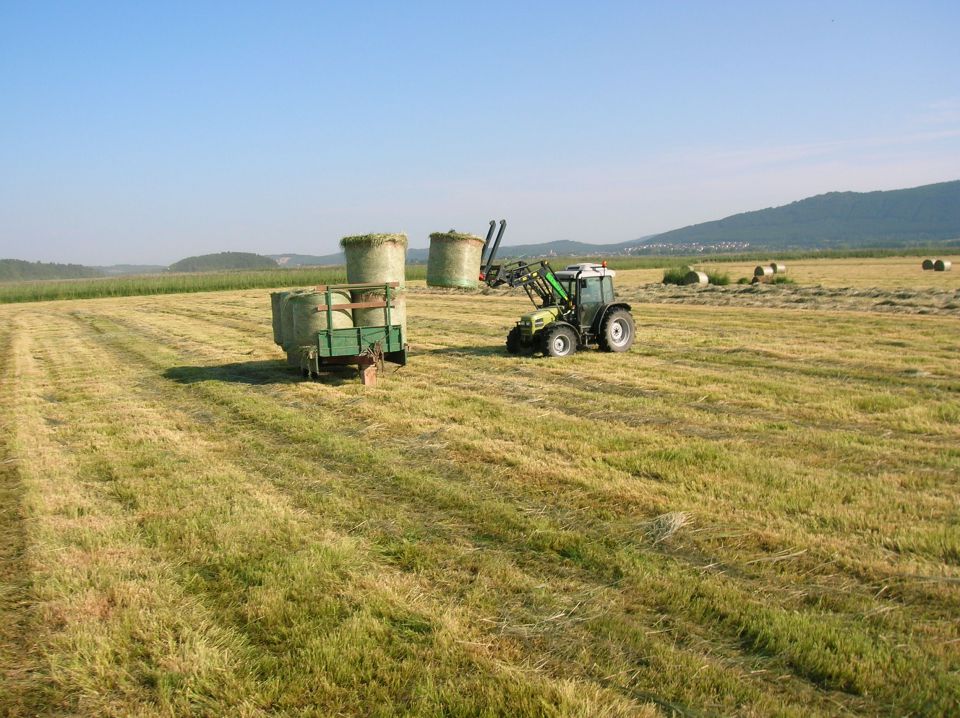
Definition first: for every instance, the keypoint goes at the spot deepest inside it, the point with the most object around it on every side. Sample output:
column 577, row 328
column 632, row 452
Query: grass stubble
column 751, row 513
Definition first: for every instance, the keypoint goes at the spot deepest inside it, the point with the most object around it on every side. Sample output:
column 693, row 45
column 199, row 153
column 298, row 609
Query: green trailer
column 368, row 347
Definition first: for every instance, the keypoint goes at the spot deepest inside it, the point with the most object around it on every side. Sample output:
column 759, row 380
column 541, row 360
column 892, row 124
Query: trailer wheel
column 559, row 341
column 513, row 341
column 617, row 331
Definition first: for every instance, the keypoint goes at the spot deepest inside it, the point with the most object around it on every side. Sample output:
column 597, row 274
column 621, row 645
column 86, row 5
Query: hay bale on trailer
column 454, row 260
column 763, row 271
column 276, row 300
column 307, row 321
column 778, row 267
column 286, row 318
column 942, row 265
column 376, row 316
column 927, row 264
column 375, row 258
column 695, row 277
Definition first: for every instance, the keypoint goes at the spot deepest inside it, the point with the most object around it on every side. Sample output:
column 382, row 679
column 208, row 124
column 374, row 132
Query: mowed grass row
column 480, row 532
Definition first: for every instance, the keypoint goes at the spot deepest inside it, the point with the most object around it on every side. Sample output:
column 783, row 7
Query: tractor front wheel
column 513, row 341
column 617, row 331
column 559, row 341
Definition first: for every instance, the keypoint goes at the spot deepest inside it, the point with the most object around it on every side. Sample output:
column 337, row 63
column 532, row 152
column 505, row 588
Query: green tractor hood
column 534, row 322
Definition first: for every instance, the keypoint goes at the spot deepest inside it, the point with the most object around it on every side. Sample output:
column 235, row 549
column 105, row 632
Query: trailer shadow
column 272, row 371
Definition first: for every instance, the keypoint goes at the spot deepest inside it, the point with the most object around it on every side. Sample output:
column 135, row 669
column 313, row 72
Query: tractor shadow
column 274, row 371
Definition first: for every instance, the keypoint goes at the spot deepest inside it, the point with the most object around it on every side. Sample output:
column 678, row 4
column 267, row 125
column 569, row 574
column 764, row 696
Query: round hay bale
column 276, row 299
column 376, row 316
column 942, row 265
column 307, row 321
column 286, row 318
column 375, row 258
column 454, row 260
column 695, row 277
column 763, row 271
column 927, row 264
column 778, row 268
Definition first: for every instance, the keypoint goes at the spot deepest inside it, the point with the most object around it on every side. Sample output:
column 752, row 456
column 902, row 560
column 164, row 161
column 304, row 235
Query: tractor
column 575, row 307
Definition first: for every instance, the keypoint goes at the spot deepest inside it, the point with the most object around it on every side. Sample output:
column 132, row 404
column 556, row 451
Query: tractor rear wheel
column 617, row 331
column 559, row 341
column 513, row 341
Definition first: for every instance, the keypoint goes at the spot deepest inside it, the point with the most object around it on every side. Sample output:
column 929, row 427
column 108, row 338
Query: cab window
column 608, row 295
column 590, row 291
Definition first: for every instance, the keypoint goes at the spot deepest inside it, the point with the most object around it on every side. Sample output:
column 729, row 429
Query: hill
column 903, row 217
column 12, row 270
column 221, row 261
column 918, row 216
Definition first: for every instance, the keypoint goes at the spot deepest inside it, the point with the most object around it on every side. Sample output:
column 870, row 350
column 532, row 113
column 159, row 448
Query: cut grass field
column 754, row 512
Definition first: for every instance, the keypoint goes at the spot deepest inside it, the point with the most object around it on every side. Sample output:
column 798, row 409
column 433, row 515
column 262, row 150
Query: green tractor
column 575, row 307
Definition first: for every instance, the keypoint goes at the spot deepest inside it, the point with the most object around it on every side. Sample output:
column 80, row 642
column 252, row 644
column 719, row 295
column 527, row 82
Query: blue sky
column 145, row 132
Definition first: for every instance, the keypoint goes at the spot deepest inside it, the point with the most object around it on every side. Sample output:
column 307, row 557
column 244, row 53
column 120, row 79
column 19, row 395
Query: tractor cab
column 591, row 286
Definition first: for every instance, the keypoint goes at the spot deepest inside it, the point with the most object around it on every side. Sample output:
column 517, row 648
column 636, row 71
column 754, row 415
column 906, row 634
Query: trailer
column 367, row 347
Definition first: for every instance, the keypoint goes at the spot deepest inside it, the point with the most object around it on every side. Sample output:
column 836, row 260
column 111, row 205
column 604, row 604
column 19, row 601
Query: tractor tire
column 559, row 341
column 617, row 331
column 513, row 341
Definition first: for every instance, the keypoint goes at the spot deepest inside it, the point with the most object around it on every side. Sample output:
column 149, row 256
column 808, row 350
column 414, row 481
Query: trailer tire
column 617, row 331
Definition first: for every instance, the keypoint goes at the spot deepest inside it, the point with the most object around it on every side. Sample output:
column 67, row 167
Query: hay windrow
column 374, row 240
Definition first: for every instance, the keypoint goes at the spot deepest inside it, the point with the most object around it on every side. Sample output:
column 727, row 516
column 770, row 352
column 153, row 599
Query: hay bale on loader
column 375, row 258
column 454, row 260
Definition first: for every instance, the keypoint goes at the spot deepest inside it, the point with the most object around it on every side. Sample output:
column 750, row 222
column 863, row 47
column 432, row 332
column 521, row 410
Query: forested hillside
column 223, row 260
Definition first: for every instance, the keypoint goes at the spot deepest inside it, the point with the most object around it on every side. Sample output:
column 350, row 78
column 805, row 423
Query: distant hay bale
column 763, row 271
column 375, row 258
column 778, row 267
column 454, row 260
column 695, row 277
column 942, row 265
column 927, row 264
